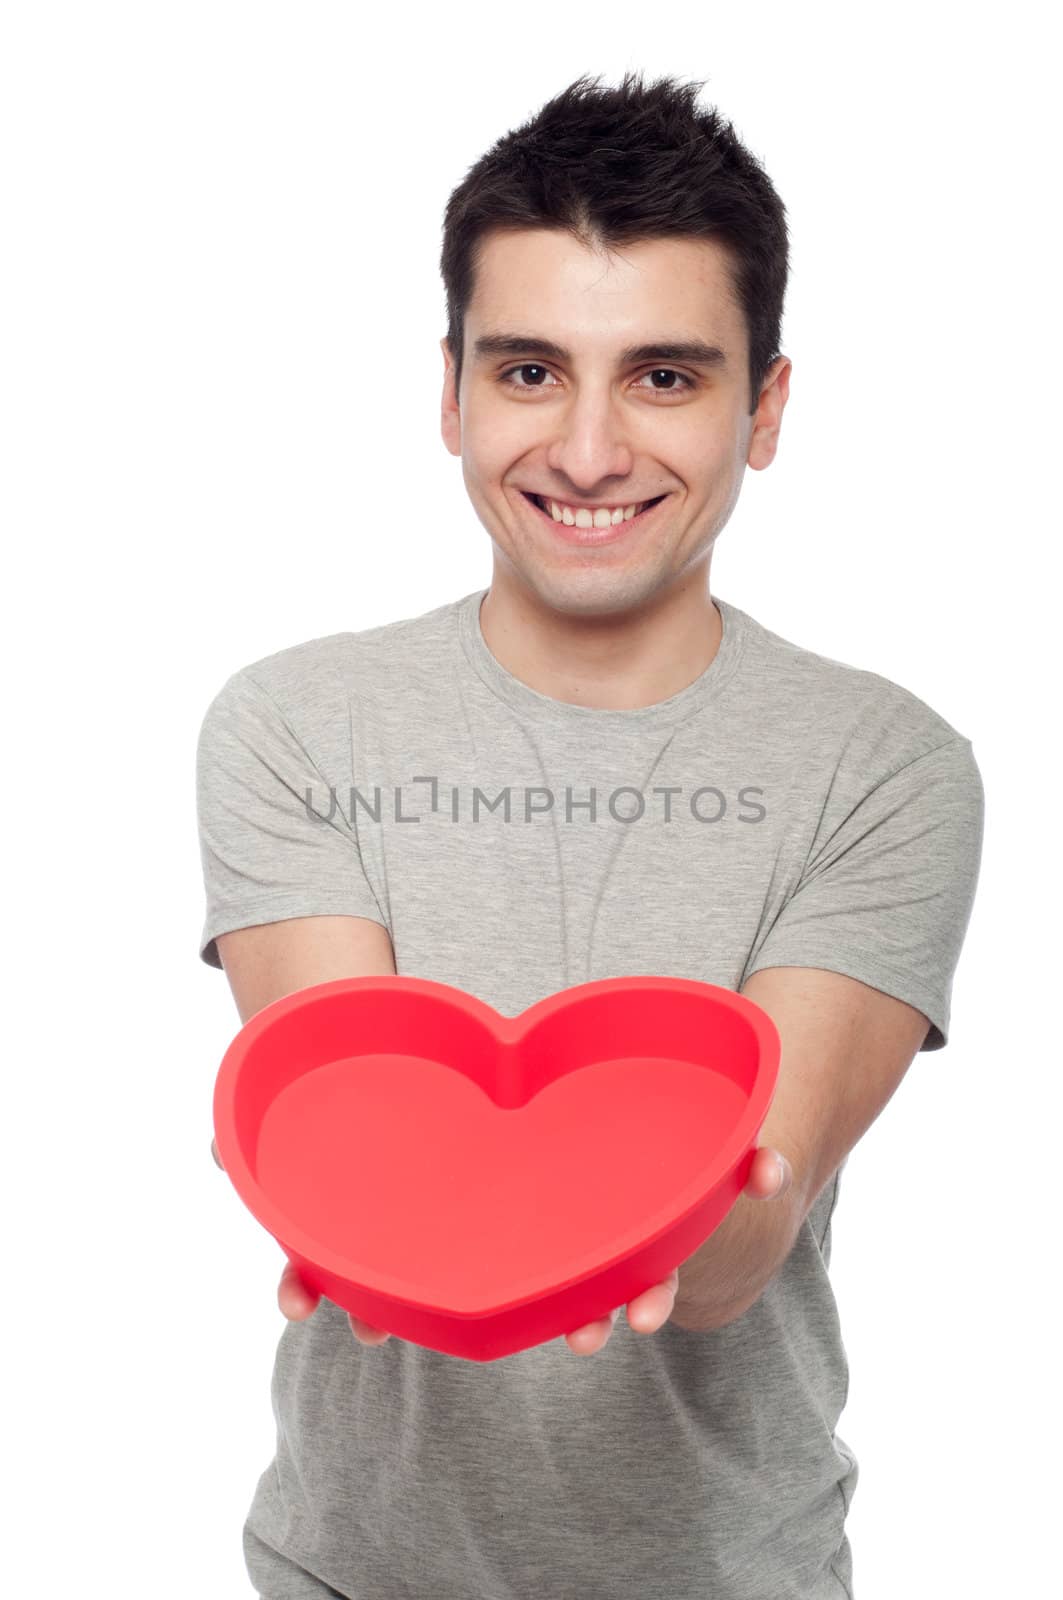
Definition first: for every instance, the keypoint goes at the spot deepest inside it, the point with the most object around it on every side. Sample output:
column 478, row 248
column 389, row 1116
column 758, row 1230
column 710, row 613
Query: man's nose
column 592, row 444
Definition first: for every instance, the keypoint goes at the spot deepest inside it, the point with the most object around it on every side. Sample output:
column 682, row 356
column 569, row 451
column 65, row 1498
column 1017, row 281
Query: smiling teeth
column 584, row 517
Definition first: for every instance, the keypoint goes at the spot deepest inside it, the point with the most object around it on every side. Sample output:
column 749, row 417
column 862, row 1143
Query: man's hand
column 769, row 1177
column 298, row 1302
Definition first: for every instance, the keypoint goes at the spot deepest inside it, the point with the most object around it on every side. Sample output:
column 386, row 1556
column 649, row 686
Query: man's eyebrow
column 695, row 352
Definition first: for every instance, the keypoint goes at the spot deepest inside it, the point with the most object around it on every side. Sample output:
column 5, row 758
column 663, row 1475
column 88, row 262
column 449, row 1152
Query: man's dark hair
column 615, row 166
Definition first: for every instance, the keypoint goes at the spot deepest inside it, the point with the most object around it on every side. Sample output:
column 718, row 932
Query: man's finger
column 593, row 1336
column 364, row 1332
column 770, row 1174
column 650, row 1310
column 214, row 1153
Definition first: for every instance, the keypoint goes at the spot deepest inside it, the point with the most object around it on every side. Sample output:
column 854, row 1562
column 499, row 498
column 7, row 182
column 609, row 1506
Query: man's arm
column 278, row 958
column 845, row 1049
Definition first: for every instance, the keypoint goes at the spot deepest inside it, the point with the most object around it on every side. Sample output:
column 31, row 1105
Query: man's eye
column 682, row 382
column 670, row 372
column 525, row 366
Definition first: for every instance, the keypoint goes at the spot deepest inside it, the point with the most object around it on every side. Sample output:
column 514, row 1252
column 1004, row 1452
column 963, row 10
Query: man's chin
column 582, row 592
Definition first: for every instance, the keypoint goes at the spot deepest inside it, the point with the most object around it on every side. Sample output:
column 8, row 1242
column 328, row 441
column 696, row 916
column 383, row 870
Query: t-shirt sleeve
column 274, row 839
column 886, row 894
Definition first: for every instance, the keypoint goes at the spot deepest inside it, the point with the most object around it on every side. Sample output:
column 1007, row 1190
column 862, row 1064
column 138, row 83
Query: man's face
column 597, row 427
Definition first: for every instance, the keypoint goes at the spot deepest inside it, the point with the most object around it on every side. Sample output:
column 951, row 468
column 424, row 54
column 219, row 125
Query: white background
column 220, row 385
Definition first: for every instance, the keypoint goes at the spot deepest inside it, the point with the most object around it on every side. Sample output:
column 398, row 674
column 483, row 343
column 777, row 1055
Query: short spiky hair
column 617, row 166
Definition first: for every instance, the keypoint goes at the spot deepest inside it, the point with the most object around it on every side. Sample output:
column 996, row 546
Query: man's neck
column 609, row 663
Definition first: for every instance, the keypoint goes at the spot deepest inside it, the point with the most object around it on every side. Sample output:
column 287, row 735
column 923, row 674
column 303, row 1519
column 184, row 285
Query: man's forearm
column 730, row 1271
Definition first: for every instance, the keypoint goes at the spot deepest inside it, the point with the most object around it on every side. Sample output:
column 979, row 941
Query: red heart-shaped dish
column 476, row 1183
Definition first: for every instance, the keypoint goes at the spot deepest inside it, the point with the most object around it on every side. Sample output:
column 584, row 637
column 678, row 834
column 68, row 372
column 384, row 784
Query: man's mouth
column 594, row 519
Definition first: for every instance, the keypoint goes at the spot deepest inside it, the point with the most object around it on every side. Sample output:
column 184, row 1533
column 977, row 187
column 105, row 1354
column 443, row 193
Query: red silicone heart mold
column 476, row 1183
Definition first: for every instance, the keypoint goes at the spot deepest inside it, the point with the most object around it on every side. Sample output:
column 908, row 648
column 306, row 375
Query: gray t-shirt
column 784, row 809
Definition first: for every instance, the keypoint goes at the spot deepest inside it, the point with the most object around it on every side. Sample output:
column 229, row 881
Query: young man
column 664, row 786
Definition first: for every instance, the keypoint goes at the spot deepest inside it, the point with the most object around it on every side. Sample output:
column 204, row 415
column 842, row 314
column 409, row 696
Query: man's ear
column 450, row 415
column 764, row 437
